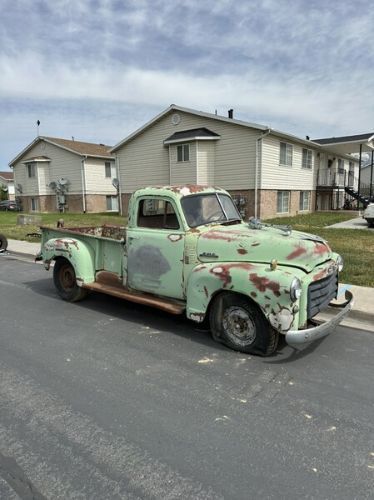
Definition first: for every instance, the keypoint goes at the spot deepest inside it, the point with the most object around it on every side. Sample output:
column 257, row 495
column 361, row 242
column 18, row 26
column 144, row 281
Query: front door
column 155, row 249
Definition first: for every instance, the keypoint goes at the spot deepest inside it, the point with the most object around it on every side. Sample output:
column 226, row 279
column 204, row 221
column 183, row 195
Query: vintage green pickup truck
column 187, row 250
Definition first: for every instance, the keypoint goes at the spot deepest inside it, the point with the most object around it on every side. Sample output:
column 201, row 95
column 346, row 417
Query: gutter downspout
column 119, row 184
column 371, row 176
column 83, row 176
column 258, row 142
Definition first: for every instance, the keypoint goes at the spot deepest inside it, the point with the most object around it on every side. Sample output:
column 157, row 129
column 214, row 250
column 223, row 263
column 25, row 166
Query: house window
column 307, row 158
column 112, row 203
column 108, row 169
column 183, row 152
column 34, row 205
column 30, row 170
column 340, row 166
column 283, row 202
column 304, row 204
column 285, row 154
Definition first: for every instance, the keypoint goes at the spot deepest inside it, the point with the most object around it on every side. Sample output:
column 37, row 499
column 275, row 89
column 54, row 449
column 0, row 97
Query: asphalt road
column 105, row 400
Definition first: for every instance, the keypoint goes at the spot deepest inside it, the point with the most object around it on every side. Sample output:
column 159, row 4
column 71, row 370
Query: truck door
column 155, row 249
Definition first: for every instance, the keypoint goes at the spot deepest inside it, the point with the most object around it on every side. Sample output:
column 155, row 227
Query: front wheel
column 239, row 324
column 3, row 243
column 65, row 281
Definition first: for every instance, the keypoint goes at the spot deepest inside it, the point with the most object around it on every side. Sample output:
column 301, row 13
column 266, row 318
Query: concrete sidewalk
column 361, row 316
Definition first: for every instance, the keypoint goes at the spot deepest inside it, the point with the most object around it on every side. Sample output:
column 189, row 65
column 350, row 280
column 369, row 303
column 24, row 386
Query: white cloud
column 303, row 67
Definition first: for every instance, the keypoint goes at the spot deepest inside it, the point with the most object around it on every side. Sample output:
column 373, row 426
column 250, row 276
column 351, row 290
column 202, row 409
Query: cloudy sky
column 99, row 69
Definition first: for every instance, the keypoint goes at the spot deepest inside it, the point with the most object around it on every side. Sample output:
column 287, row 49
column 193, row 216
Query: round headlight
column 340, row 263
column 295, row 289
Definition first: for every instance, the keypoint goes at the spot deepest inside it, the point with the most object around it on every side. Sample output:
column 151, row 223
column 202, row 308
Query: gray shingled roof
column 347, row 138
column 192, row 134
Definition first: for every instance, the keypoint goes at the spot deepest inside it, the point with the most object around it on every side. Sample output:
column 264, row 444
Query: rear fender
column 269, row 289
column 80, row 255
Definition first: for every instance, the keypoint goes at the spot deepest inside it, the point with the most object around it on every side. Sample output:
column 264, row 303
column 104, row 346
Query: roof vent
column 231, row 113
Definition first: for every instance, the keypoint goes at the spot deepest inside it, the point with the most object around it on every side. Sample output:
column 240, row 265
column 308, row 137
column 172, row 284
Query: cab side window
column 155, row 213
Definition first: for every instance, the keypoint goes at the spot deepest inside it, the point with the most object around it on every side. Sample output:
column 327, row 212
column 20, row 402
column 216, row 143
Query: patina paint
column 187, row 268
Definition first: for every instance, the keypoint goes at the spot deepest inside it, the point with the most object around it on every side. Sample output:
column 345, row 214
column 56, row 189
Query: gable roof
column 174, row 107
column 256, row 126
column 76, row 147
column 82, row 148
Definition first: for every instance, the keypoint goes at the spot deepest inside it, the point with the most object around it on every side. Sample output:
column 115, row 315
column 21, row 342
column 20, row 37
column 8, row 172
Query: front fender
column 79, row 254
column 269, row 289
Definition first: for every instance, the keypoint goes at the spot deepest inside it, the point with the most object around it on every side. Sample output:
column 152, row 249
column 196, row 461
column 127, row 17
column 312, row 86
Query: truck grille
column 320, row 294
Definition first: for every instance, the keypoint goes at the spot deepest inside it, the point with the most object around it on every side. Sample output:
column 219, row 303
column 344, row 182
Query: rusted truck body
column 187, row 250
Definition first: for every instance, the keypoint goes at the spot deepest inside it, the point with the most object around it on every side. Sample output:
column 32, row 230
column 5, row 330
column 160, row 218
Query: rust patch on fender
column 262, row 284
column 223, row 271
column 242, row 251
column 206, row 292
column 296, row 253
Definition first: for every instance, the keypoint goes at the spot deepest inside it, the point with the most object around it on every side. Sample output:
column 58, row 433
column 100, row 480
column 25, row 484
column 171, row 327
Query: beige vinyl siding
column 63, row 164
column 285, row 177
column 96, row 182
column 183, row 172
column 145, row 160
column 206, row 153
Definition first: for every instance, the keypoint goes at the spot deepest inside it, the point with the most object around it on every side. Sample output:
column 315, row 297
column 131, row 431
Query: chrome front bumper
column 299, row 337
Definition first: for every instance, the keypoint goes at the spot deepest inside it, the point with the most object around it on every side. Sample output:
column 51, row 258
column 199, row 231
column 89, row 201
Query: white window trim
column 112, row 197
column 309, row 201
column 189, row 153
column 288, row 145
column 306, row 166
column 288, row 204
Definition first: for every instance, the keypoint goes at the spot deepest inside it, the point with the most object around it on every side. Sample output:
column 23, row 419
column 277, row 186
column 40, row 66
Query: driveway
column 356, row 223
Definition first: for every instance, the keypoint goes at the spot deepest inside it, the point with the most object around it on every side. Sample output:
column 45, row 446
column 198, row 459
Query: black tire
column 3, row 243
column 65, row 281
column 239, row 324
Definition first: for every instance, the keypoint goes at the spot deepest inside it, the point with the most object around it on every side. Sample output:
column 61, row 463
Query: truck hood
column 240, row 243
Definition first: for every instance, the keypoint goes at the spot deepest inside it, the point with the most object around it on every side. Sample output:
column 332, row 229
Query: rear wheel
column 3, row 243
column 66, row 283
column 239, row 324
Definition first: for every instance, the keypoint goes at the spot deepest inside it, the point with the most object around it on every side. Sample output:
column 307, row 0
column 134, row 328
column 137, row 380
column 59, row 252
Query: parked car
column 369, row 215
column 10, row 205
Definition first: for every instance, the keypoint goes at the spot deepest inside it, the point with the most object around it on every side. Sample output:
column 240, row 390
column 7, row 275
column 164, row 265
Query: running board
column 109, row 283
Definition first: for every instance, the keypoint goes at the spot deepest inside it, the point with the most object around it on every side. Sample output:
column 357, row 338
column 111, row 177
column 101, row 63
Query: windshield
column 206, row 208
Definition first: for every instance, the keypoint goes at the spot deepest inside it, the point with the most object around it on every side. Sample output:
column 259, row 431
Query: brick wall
column 245, row 201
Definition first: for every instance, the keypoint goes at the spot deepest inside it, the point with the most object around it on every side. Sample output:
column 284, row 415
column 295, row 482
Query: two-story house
column 268, row 172
column 7, row 184
column 53, row 174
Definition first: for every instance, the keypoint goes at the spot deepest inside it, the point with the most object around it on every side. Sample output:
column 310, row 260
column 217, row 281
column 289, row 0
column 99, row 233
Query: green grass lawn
column 355, row 245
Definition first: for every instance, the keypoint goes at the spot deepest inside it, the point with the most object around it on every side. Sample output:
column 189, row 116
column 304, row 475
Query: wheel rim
column 67, row 278
column 239, row 325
